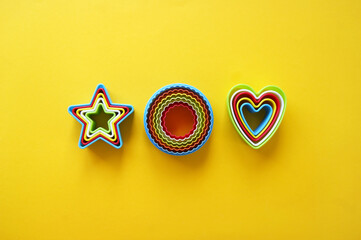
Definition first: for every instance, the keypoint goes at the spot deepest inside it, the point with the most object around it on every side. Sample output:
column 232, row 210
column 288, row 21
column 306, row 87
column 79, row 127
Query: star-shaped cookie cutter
column 90, row 133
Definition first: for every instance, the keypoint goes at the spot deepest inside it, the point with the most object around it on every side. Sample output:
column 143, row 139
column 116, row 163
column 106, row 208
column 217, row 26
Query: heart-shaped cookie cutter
column 241, row 117
column 240, row 95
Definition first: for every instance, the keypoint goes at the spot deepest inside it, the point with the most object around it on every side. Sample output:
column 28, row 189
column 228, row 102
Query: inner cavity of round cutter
column 179, row 120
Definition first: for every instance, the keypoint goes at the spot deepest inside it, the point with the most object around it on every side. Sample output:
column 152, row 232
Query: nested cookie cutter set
column 178, row 118
column 159, row 105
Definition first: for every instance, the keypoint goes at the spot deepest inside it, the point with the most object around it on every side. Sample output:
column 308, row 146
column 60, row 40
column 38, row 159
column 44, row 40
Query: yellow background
column 305, row 183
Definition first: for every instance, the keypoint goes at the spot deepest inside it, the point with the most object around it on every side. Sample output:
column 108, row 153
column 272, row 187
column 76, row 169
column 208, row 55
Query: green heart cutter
column 239, row 121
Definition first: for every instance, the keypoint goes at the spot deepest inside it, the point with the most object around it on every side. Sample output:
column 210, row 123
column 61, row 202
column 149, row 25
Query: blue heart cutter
column 251, row 109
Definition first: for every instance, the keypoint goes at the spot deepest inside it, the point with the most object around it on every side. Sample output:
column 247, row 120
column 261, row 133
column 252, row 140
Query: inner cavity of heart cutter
column 254, row 119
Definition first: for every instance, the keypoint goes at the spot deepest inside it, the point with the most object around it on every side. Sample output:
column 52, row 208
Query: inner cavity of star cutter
column 179, row 121
column 100, row 119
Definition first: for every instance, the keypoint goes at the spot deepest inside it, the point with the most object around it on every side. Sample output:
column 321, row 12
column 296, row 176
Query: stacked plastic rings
column 178, row 119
